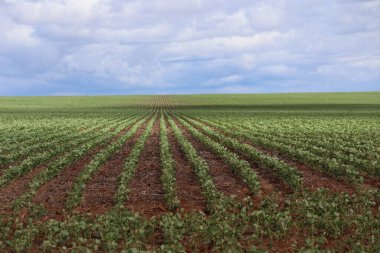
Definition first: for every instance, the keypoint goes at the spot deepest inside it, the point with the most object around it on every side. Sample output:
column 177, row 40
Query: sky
column 93, row 47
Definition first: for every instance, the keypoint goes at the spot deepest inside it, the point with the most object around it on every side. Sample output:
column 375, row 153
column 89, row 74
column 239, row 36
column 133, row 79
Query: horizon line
column 190, row 94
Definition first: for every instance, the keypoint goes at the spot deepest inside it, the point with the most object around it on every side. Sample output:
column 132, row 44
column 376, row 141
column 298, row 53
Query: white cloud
column 268, row 15
column 59, row 12
column 355, row 70
column 231, row 79
column 221, row 46
column 278, row 70
column 15, row 35
column 91, row 46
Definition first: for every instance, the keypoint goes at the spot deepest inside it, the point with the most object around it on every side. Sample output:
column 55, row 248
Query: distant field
column 253, row 172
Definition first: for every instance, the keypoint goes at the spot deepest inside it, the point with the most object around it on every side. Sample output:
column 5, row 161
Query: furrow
column 99, row 194
column 224, row 179
column 146, row 193
column 54, row 193
column 189, row 190
column 79, row 185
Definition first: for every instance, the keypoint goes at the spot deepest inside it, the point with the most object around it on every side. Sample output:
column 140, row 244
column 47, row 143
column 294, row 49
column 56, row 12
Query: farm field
column 191, row 173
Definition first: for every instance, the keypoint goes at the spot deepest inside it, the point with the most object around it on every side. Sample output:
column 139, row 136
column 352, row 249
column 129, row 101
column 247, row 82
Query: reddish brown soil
column 53, row 194
column 224, row 179
column 12, row 191
column 313, row 179
column 266, row 189
column 371, row 182
column 268, row 183
column 295, row 238
column 268, row 180
column 146, row 193
column 189, row 190
column 99, row 195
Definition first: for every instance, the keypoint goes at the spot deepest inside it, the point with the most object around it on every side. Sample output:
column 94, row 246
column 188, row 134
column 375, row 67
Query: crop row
column 358, row 153
column 325, row 164
column 38, row 133
column 239, row 166
column 168, row 177
column 52, row 141
column 291, row 176
column 200, row 167
column 130, row 165
column 32, row 161
column 65, row 160
column 97, row 161
column 50, row 131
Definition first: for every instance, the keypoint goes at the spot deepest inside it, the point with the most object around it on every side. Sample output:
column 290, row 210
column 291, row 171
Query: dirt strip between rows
column 54, row 193
column 189, row 190
column 146, row 194
column 224, row 179
column 4, row 167
column 12, row 191
column 269, row 184
column 313, row 179
column 372, row 181
column 99, row 195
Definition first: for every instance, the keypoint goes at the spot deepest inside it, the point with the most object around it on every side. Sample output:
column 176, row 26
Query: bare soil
column 268, row 183
column 224, row 178
column 99, row 195
column 54, row 194
column 189, row 190
column 15, row 189
column 313, row 179
column 146, row 192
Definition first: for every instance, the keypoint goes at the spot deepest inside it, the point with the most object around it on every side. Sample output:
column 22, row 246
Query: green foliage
column 213, row 196
column 336, row 134
column 131, row 164
column 288, row 174
column 100, row 158
column 168, row 171
column 240, row 167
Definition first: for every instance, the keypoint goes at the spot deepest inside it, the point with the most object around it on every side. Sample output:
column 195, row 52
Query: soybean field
column 191, row 173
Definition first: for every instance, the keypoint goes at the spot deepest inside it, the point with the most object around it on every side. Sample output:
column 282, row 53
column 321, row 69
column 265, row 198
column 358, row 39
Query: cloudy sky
column 68, row 47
